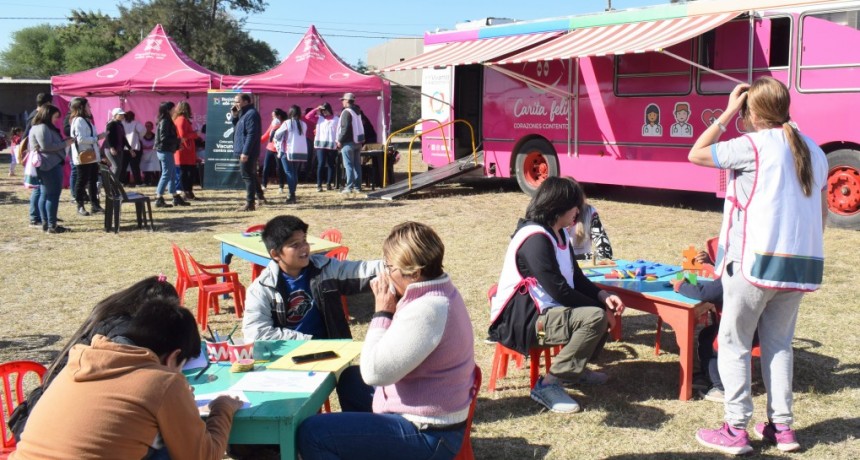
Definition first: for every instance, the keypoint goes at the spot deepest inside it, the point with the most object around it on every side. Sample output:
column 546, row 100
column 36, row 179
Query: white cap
column 116, row 111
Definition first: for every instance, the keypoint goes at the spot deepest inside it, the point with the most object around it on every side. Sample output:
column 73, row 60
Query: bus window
column 824, row 65
column 726, row 49
column 643, row 74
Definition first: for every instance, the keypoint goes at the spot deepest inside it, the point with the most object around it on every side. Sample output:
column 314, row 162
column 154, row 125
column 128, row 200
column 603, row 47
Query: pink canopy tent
column 153, row 71
column 313, row 74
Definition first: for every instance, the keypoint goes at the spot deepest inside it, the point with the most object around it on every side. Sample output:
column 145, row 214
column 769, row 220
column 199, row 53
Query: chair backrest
column 339, row 253
column 332, row 235
column 113, row 187
column 12, row 374
column 180, row 262
column 255, row 228
column 712, row 248
column 466, row 452
column 196, row 268
column 492, row 292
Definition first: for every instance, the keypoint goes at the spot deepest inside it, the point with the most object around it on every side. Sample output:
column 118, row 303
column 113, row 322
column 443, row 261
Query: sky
column 350, row 27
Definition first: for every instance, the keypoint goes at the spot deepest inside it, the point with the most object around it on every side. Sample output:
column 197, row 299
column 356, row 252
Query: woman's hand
column 737, row 99
column 386, row 296
column 613, row 302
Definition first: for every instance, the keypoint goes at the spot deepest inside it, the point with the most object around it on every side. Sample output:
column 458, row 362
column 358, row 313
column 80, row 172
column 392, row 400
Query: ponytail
column 802, row 160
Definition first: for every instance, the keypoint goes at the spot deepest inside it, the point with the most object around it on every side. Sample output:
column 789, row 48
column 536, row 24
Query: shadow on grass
column 508, row 447
column 10, row 198
column 30, row 348
column 680, row 456
column 833, row 431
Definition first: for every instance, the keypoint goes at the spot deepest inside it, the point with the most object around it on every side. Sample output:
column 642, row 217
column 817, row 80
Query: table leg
column 288, row 446
column 683, row 323
column 226, row 255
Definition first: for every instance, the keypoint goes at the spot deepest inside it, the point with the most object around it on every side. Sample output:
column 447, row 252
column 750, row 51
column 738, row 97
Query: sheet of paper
column 198, row 362
column 346, row 350
column 203, row 400
column 280, row 382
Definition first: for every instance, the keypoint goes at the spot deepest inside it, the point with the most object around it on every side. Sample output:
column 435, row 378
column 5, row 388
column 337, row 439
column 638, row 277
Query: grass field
column 50, row 282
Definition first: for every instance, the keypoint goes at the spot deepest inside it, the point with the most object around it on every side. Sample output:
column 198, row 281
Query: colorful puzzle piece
column 690, row 262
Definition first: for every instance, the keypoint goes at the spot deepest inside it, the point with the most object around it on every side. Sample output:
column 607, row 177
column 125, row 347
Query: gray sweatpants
column 774, row 312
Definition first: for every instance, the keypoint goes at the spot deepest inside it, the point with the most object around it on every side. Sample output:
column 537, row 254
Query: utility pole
column 608, row 5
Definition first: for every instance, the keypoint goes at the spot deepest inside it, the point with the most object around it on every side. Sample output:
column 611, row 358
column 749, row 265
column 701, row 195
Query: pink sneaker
column 781, row 435
column 732, row 441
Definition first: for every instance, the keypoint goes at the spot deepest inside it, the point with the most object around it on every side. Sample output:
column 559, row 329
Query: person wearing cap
column 350, row 136
column 116, row 145
column 246, row 145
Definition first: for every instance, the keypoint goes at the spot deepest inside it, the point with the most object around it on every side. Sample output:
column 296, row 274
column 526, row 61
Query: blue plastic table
column 658, row 298
column 273, row 418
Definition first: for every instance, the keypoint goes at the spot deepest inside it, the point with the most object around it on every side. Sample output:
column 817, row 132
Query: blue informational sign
column 222, row 167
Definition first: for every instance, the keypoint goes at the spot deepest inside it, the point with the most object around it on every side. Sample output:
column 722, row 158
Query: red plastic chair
column 184, row 279
column 712, row 245
column 332, row 234
column 255, row 269
column 466, row 452
column 12, row 374
column 503, row 354
column 208, row 293
column 340, row 254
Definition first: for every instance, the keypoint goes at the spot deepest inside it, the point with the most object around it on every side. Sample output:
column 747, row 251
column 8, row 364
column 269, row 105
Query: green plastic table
column 273, row 418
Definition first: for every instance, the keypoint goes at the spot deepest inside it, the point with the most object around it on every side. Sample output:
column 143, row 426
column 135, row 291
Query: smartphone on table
column 323, row 355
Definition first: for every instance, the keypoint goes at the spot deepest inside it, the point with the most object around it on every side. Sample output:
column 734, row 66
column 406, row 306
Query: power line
column 339, row 35
column 305, row 27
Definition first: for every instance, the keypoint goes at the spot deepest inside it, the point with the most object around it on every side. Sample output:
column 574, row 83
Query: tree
column 204, row 29
column 35, row 52
column 217, row 43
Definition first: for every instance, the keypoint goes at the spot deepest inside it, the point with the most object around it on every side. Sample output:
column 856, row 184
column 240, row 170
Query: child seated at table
column 712, row 292
column 588, row 236
column 126, row 397
column 297, row 296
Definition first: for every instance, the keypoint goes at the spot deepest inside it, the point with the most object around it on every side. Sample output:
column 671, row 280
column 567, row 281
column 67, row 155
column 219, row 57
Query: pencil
column 230, row 335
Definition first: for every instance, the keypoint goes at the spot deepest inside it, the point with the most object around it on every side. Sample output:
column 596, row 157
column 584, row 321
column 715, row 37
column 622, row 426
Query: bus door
column 468, row 89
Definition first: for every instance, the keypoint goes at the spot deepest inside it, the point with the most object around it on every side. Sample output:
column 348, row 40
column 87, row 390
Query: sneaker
column 589, row 377
column 36, row 224
column 291, row 200
column 715, row 395
column 734, row 441
column 554, row 398
column 346, row 191
column 247, row 207
column 82, row 211
column 281, row 191
column 56, row 229
column 160, row 203
column 781, row 435
column 490, row 340
column 95, row 209
column 319, row 188
column 329, row 187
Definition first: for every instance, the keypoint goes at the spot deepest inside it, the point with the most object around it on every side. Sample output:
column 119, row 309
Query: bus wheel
column 535, row 162
column 843, row 189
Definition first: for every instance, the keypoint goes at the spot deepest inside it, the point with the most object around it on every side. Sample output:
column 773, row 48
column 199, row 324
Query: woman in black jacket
column 544, row 299
column 166, row 142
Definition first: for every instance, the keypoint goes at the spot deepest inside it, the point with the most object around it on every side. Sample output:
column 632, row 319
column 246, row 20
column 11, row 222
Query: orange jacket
column 187, row 153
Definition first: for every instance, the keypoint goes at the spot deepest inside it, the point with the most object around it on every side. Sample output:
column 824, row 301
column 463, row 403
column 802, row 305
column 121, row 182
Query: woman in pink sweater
column 418, row 353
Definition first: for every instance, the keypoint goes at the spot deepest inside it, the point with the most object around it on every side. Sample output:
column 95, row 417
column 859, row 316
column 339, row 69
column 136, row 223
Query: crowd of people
column 128, row 147
column 410, row 394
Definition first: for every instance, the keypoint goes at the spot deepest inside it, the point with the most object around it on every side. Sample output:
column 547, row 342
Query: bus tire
column 535, row 162
column 843, row 189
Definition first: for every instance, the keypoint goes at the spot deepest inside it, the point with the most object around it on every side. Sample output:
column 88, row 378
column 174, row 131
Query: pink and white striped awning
column 637, row 37
column 471, row 52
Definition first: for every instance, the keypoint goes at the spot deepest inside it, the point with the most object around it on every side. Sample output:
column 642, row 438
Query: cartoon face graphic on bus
column 681, row 128
column 652, row 126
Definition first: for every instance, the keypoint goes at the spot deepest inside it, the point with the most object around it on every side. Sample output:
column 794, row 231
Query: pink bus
column 620, row 97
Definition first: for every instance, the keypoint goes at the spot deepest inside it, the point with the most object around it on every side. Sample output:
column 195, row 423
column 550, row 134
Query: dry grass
column 51, row 282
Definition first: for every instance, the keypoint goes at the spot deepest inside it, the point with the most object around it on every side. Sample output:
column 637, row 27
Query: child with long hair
column 292, row 148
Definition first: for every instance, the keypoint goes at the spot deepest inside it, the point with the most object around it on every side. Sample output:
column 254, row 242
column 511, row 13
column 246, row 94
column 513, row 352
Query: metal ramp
column 426, row 179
